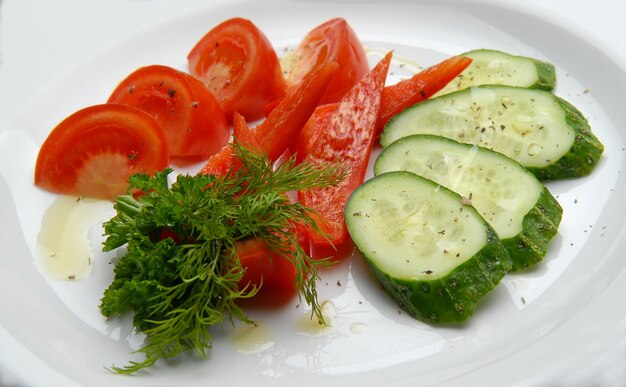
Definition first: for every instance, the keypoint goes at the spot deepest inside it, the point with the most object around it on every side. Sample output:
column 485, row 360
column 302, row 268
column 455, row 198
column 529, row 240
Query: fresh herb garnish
column 177, row 289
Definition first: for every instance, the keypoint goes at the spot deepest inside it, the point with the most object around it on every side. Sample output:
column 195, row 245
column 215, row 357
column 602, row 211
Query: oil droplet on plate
column 252, row 338
column 64, row 249
column 358, row 328
column 311, row 326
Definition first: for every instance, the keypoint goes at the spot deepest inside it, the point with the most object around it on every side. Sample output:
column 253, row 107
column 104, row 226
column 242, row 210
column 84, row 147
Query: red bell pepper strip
column 243, row 134
column 225, row 160
column 395, row 98
column 421, row 86
column 220, row 163
column 346, row 134
column 283, row 124
column 320, row 118
column 286, row 120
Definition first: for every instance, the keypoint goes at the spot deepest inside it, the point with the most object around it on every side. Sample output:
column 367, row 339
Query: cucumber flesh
column 492, row 67
column 504, row 193
column 436, row 256
column 541, row 131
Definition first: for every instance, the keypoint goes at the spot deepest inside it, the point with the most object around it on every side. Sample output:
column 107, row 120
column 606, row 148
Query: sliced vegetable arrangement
column 519, row 208
column 422, row 86
column 433, row 253
column 179, row 287
column 94, row 151
column 331, row 41
column 237, row 63
column 508, row 132
column 189, row 114
column 492, row 67
column 440, row 224
column 275, row 134
column 348, row 135
column 541, row 131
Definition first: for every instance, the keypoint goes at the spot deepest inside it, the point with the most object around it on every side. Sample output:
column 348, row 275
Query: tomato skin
column 281, row 127
column 418, row 88
column 345, row 134
column 333, row 40
column 275, row 274
column 94, row 151
column 239, row 66
column 193, row 121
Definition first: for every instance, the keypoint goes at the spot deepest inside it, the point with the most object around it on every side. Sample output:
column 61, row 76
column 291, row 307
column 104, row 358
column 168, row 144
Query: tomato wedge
column 275, row 274
column 94, row 151
column 421, row 86
column 345, row 134
column 333, row 40
column 193, row 121
column 238, row 64
column 276, row 133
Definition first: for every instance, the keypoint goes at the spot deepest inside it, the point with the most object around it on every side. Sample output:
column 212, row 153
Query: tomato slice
column 421, row 86
column 345, row 134
column 193, row 121
column 94, row 151
column 333, row 40
column 281, row 127
column 275, row 274
column 238, row 64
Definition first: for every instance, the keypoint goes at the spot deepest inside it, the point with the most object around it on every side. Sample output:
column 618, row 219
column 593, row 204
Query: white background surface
column 39, row 39
column 37, row 36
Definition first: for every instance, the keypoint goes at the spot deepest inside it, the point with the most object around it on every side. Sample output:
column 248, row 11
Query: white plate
column 563, row 322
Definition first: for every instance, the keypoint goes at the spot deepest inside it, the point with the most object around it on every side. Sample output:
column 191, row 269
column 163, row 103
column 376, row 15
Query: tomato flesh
column 94, row 151
column 193, row 121
column 275, row 274
column 238, row 64
column 334, row 41
column 221, row 74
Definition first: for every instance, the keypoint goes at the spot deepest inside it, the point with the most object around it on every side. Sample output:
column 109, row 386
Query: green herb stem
column 179, row 289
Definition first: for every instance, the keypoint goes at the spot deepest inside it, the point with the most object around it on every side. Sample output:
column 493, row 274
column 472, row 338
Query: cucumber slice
column 433, row 254
column 541, row 131
column 519, row 208
column 492, row 67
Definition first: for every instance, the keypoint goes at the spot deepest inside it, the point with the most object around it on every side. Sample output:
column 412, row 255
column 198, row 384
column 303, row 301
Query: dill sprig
column 177, row 287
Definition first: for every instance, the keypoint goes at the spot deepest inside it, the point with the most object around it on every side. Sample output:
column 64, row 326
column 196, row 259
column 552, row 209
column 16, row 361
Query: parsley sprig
column 179, row 287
